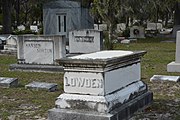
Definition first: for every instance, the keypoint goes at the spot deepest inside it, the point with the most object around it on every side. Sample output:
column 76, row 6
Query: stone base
column 123, row 112
column 173, row 67
column 36, row 68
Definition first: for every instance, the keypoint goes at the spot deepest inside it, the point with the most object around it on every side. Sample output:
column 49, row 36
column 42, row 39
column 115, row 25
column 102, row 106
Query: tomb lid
column 102, row 58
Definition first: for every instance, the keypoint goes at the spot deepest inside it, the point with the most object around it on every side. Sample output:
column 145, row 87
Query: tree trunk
column 176, row 14
column 17, row 12
column 166, row 19
column 6, row 9
column 110, row 45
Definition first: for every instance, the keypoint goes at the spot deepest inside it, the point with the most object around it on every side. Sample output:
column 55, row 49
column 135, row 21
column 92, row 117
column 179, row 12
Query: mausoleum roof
column 62, row 4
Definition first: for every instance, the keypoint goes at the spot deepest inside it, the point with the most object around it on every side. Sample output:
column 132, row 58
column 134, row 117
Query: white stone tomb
column 101, row 83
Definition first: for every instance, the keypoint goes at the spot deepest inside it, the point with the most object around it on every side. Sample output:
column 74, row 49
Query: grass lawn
column 27, row 104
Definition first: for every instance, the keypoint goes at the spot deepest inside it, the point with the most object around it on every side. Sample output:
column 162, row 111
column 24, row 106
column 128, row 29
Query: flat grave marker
column 8, row 82
column 42, row 86
column 165, row 78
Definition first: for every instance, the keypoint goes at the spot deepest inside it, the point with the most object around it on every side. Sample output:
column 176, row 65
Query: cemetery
column 89, row 60
column 35, row 104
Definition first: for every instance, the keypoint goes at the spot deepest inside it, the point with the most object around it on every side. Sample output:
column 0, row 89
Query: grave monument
column 104, row 85
column 39, row 52
column 175, row 65
column 85, row 41
column 137, row 32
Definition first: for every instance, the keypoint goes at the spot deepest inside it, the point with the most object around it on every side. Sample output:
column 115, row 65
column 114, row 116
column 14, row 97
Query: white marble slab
column 165, row 78
column 38, row 52
column 101, row 83
column 103, row 54
column 84, row 83
column 85, row 41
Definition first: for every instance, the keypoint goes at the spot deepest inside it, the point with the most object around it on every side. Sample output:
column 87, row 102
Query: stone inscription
column 83, row 82
column 38, row 48
column 38, row 52
column 86, row 39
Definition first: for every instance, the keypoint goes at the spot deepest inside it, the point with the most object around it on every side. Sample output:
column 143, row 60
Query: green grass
column 11, row 99
column 28, row 104
column 159, row 54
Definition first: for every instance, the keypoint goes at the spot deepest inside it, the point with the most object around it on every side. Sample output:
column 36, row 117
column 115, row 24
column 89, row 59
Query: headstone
column 85, row 41
column 126, row 41
column 40, row 49
column 96, row 27
column 104, row 85
column 100, row 27
column 39, row 52
column 11, row 44
column 154, row 26
column 34, row 28
column 137, row 32
column 8, row 82
column 3, row 40
column 121, row 27
column 165, row 78
column 51, row 87
column 21, row 28
column 175, row 65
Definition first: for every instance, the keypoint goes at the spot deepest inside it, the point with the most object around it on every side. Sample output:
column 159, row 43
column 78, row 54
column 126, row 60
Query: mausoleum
column 62, row 16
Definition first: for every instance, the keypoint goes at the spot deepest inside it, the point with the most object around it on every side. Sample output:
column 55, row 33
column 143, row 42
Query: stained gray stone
column 77, row 17
column 124, row 112
column 37, row 68
column 8, row 82
column 42, row 86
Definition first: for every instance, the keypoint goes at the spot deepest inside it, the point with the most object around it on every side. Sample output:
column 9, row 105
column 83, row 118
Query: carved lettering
column 44, row 50
column 38, row 48
column 87, row 39
column 33, row 45
column 83, row 82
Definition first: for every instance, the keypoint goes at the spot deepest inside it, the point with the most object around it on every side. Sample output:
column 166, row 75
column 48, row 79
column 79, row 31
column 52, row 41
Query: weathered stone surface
column 36, row 68
column 102, row 104
column 42, row 86
column 137, row 32
column 85, row 41
column 164, row 78
column 77, row 17
column 120, row 113
column 8, row 82
column 105, row 83
column 101, row 73
column 42, row 49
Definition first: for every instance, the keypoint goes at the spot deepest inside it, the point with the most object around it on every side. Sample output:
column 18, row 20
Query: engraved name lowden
column 87, row 39
column 38, row 48
column 83, row 82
